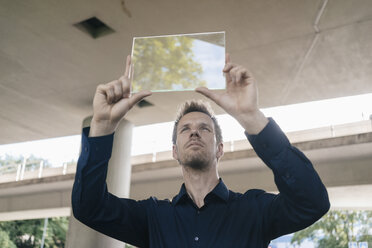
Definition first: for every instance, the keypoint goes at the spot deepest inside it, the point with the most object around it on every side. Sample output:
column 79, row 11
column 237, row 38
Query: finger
column 118, row 91
column 228, row 64
column 227, row 74
column 126, row 87
column 101, row 89
column 228, row 78
column 227, row 70
column 247, row 74
column 127, row 66
column 109, row 91
column 208, row 93
column 137, row 97
column 239, row 75
column 233, row 74
column 228, row 67
column 227, row 58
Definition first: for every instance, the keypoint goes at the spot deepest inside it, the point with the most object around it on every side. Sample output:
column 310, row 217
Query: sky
column 212, row 59
column 157, row 137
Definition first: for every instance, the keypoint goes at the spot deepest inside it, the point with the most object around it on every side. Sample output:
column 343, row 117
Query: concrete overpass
column 341, row 154
column 299, row 51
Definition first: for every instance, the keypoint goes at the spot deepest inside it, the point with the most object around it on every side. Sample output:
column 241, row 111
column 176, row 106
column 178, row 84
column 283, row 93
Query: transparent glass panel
column 178, row 62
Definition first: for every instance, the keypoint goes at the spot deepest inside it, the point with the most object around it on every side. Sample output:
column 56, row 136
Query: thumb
column 208, row 93
column 227, row 58
column 137, row 97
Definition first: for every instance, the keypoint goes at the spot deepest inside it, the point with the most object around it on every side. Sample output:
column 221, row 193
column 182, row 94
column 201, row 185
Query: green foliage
column 165, row 63
column 9, row 164
column 56, row 234
column 337, row 228
column 24, row 234
column 28, row 233
column 5, row 241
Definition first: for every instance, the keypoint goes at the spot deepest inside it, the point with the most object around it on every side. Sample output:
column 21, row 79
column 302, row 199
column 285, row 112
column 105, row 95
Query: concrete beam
column 343, row 163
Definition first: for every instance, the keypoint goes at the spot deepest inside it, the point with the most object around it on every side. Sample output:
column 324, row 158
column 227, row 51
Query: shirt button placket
column 197, row 233
column 196, row 241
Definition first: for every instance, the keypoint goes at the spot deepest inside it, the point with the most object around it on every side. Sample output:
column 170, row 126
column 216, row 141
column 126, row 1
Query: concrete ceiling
column 299, row 50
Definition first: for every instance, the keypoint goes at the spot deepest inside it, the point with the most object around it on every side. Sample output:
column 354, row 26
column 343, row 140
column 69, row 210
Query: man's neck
column 199, row 183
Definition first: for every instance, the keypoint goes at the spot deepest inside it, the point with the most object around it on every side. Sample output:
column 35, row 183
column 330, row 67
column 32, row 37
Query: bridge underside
column 344, row 164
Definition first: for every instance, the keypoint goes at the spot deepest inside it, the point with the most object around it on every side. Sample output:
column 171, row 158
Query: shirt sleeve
column 92, row 204
column 303, row 199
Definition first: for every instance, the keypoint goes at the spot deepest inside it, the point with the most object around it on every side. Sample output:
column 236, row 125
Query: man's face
column 196, row 141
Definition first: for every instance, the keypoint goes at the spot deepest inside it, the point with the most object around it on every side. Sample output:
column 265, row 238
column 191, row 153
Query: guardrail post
column 23, row 168
column 64, row 171
column 154, row 157
column 231, row 145
column 18, row 172
column 41, row 168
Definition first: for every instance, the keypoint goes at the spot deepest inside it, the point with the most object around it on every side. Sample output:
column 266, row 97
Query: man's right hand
column 112, row 101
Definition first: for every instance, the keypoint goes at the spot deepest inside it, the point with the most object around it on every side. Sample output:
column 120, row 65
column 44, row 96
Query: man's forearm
column 101, row 128
column 253, row 123
column 303, row 198
column 91, row 173
column 292, row 169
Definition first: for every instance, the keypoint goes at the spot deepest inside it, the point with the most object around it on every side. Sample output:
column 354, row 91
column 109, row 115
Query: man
column 204, row 213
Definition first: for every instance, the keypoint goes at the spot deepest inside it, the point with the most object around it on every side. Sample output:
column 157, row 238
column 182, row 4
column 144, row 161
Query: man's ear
column 219, row 153
column 174, row 152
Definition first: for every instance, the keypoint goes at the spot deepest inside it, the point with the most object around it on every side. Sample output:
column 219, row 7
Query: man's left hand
column 240, row 99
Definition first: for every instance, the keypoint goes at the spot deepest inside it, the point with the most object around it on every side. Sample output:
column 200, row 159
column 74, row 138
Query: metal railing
column 28, row 169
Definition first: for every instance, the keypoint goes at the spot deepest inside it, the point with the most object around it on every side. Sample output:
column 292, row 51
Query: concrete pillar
column 118, row 183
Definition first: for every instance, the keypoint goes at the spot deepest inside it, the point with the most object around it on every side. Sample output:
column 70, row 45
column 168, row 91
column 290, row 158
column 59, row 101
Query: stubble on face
column 196, row 160
column 196, row 149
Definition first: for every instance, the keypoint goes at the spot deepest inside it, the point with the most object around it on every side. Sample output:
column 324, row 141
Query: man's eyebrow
column 184, row 125
column 203, row 124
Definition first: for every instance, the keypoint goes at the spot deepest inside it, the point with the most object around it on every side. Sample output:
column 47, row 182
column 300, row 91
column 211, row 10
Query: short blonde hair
column 196, row 106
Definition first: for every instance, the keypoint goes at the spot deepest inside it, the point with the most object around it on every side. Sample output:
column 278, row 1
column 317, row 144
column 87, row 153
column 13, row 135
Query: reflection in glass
column 179, row 62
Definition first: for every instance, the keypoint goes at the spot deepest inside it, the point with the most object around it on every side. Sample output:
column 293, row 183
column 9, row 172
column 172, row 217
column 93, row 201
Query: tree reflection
column 165, row 63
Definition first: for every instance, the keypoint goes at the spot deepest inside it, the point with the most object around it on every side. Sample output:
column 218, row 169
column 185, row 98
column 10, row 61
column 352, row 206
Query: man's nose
column 195, row 132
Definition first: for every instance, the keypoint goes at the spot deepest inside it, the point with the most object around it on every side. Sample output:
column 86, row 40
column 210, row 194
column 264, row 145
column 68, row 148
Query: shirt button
column 86, row 149
column 198, row 212
column 196, row 238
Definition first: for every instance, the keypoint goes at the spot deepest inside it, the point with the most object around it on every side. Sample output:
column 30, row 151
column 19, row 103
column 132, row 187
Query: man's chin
column 196, row 164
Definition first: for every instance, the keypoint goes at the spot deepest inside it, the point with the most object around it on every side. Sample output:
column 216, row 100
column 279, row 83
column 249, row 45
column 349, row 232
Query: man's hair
column 196, row 106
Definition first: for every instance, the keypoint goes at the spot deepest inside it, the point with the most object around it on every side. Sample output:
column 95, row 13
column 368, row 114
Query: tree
column 9, row 164
column 5, row 241
column 56, row 233
column 165, row 63
column 337, row 228
column 28, row 233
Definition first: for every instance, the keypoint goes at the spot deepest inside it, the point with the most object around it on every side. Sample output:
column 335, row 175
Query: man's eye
column 205, row 129
column 184, row 129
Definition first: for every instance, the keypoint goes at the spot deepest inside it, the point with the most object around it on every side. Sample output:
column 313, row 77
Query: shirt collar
column 220, row 191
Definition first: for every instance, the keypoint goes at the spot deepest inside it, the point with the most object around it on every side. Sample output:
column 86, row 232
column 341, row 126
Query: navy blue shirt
column 227, row 219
